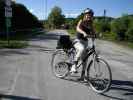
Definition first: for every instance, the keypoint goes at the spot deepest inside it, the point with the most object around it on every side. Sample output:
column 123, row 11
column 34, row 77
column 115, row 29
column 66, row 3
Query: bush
column 129, row 34
column 13, row 44
column 108, row 35
column 72, row 32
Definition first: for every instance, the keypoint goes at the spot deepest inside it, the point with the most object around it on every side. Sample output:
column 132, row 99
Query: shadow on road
column 11, row 52
column 12, row 97
column 48, row 36
column 122, row 89
column 6, row 52
column 75, row 79
column 125, row 88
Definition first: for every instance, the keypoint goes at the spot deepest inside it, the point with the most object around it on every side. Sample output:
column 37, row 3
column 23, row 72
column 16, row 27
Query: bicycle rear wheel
column 59, row 65
column 99, row 75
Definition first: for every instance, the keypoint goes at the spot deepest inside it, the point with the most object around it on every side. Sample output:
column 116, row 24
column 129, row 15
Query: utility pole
column 104, row 14
column 45, row 13
column 8, row 15
column 45, row 9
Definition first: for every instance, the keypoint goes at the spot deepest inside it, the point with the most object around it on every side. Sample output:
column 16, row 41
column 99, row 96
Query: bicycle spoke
column 59, row 64
column 100, row 76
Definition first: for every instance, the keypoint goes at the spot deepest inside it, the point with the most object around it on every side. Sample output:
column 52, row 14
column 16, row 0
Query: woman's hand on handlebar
column 85, row 35
column 91, row 36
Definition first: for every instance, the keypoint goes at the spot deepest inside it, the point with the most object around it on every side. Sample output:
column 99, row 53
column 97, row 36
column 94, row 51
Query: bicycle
column 95, row 69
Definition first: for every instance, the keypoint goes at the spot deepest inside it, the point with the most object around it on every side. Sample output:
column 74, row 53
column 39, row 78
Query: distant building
column 14, row 0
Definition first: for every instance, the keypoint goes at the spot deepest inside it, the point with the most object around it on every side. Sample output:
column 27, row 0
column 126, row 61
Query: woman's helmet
column 88, row 11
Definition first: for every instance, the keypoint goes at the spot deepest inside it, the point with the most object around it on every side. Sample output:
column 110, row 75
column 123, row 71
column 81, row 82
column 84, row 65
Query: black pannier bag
column 64, row 42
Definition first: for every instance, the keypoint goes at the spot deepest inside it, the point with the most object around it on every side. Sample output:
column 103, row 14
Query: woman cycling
column 84, row 28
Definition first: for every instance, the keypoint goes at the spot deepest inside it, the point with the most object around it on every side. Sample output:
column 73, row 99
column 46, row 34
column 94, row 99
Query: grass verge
column 18, row 40
column 72, row 32
column 13, row 44
column 108, row 37
column 125, row 44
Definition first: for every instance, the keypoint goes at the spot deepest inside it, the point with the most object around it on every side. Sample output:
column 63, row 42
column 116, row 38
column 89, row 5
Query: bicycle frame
column 87, row 70
column 89, row 52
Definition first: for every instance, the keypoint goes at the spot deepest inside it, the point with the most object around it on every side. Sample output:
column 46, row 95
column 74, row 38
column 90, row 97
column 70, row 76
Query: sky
column 73, row 8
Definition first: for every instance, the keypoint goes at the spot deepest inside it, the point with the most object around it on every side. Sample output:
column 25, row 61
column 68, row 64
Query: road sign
column 8, row 11
column 8, row 2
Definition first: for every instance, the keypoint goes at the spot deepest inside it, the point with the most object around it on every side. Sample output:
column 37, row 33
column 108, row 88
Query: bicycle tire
column 60, row 64
column 92, row 80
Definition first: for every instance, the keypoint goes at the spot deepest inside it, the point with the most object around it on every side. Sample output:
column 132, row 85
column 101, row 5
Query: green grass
column 112, row 37
column 72, row 32
column 125, row 44
column 107, row 36
column 18, row 40
column 13, row 44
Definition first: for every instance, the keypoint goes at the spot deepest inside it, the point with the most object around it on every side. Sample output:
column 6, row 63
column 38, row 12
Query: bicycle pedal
column 74, row 72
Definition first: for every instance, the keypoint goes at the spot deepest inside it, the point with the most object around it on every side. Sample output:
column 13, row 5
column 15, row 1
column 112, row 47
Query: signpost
column 8, row 15
column 8, row 11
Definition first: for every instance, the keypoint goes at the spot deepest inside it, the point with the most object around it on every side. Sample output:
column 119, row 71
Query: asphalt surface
column 25, row 74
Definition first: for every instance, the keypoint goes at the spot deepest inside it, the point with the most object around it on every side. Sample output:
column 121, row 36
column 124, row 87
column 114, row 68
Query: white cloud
column 31, row 10
column 71, row 14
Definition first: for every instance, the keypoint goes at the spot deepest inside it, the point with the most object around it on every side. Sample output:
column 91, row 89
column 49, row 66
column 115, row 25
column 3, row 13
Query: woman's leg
column 79, row 51
column 79, row 46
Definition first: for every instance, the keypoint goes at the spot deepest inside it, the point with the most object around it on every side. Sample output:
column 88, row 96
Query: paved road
column 25, row 74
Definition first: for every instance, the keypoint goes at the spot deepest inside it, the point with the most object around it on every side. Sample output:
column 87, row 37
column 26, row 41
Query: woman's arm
column 80, row 30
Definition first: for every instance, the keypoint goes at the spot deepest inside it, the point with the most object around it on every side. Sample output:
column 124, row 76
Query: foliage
column 129, row 34
column 108, row 35
column 2, row 21
column 101, row 25
column 120, row 26
column 56, row 18
column 21, row 18
column 70, row 22
column 78, row 18
column 72, row 32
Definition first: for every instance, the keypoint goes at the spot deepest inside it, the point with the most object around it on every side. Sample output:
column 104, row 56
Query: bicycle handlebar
column 91, row 36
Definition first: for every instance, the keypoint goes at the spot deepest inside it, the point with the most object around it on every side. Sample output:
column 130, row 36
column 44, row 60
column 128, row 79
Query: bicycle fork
column 96, row 69
column 96, row 65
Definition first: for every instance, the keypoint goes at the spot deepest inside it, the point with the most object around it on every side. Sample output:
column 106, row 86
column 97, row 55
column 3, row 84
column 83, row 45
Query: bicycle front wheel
column 100, row 75
column 59, row 65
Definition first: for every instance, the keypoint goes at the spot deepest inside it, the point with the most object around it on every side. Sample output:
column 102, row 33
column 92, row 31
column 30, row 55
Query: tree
column 130, row 22
column 120, row 26
column 70, row 22
column 102, row 24
column 2, row 16
column 129, row 32
column 56, row 18
column 21, row 17
column 78, row 18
